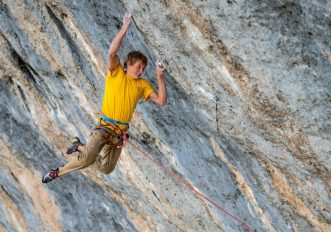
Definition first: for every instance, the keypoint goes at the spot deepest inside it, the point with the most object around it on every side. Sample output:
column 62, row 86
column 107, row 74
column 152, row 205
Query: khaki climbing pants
column 101, row 149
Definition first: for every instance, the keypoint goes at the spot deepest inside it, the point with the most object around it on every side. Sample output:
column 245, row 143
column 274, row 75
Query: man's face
column 135, row 70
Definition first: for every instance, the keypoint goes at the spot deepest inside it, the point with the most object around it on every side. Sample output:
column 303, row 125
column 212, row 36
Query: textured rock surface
column 247, row 124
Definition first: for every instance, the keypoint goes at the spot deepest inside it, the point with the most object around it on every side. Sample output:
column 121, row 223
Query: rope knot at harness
column 124, row 137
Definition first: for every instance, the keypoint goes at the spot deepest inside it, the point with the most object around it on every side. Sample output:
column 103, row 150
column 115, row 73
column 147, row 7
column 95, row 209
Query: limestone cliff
column 248, row 121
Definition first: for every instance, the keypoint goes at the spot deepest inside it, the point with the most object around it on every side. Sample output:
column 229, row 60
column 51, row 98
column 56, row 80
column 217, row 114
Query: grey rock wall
column 247, row 123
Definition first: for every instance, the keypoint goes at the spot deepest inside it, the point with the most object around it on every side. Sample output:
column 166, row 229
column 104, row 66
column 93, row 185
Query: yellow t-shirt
column 122, row 92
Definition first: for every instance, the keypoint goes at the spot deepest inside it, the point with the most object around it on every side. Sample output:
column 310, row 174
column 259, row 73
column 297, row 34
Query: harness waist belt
column 105, row 118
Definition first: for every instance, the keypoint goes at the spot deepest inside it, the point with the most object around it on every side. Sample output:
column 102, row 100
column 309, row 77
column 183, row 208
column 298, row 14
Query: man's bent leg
column 94, row 145
column 108, row 157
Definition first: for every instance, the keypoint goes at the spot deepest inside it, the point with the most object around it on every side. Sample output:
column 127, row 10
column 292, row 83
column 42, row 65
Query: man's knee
column 106, row 169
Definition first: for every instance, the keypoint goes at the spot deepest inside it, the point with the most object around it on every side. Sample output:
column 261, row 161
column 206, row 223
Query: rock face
column 248, row 122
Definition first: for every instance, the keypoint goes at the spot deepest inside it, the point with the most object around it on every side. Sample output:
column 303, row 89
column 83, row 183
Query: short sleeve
column 148, row 89
column 118, row 71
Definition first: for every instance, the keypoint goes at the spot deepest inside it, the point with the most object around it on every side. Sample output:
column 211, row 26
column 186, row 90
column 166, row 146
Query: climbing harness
column 194, row 190
column 112, row 125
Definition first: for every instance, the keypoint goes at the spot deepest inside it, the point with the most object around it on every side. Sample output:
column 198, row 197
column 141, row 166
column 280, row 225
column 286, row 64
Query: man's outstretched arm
column 113, row 60
column 160, row 97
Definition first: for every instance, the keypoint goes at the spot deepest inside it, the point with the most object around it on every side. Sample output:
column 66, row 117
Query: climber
column 123, row 88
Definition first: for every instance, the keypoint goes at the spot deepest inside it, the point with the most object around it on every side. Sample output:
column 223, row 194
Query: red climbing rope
column 191, row 187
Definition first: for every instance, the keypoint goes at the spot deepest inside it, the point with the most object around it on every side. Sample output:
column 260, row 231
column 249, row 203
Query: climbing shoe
column 49, row 176
column 74, row 146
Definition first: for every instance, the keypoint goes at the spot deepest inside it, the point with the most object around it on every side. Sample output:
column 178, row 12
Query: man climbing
column 123, row 88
